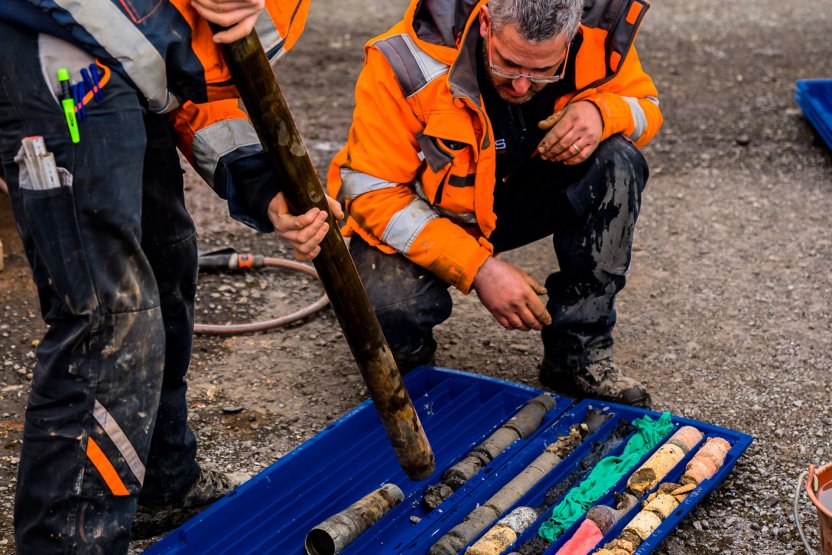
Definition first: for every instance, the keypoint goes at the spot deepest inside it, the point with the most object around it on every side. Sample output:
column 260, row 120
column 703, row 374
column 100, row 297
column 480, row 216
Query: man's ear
column 485, row 21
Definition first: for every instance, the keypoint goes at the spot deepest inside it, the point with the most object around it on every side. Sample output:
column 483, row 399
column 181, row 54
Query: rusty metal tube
column 338, row 531
column 287, row 155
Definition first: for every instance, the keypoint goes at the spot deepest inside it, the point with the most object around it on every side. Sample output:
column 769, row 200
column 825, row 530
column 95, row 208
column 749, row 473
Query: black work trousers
column 590, row 210
column 113, row 256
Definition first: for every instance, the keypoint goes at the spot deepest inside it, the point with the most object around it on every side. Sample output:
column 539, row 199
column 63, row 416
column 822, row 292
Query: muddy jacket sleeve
column 375, row 175
column 222, row 146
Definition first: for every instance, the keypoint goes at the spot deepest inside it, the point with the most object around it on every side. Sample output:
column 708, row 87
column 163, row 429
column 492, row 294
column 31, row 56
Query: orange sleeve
column 632, row 82
column 382, row 144
column 189, row 118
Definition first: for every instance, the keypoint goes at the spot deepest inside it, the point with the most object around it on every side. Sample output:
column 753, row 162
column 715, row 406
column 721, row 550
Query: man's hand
column 304, row 232
column 510, row 294
column 238, row 16
column 574, row 133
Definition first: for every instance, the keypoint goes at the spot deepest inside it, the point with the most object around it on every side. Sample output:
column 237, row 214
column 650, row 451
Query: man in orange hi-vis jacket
column 479, row 127
column 113, row 250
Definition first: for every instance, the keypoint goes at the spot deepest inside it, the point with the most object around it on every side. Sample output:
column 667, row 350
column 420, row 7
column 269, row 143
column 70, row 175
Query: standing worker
column 481, row 127
column 90, row 93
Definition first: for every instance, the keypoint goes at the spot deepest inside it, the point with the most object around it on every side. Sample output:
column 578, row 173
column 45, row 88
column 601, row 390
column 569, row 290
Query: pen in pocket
column 68, row 104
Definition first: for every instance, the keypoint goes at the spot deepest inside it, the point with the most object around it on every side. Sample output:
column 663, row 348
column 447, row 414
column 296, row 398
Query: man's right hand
column 305, row 232
column 511, row 295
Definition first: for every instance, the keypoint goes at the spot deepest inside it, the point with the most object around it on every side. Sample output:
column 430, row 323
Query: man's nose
column 521, row 85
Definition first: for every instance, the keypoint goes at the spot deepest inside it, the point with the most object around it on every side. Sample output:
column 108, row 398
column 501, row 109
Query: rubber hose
column 232, row 329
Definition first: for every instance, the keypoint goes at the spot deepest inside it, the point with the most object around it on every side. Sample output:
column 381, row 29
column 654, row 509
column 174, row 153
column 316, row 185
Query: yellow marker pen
column 68, row 104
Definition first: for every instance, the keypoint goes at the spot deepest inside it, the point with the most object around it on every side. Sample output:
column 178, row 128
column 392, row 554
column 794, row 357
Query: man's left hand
column 574, row 133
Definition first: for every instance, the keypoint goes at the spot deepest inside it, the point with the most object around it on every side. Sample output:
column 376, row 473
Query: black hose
column 233, row 261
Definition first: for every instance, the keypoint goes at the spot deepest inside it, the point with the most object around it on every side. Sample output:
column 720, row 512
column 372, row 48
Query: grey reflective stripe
column 215, row 141
column 406, row 224
column 267, row 32
column 639, row 119
column 468, row 218
column 355, row 183
column 413, row 67
column 463, row 217
column 123, row 41
column 119, row 439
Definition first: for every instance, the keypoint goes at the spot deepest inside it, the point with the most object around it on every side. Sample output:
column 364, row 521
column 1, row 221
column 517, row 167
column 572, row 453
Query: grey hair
column 537, row 20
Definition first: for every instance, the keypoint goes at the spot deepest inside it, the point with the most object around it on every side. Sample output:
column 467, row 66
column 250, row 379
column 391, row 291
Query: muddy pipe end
column 319, row 542
column 422, row 471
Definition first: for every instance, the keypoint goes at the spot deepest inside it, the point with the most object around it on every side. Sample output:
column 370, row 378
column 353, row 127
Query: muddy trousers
column 113, row 256
column 590, row 210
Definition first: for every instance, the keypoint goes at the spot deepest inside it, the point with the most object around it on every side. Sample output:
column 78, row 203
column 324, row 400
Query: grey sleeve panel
column 435, row 157
column 413, row 67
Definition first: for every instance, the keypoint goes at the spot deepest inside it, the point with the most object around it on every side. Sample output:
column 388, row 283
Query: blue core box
column 352, row 457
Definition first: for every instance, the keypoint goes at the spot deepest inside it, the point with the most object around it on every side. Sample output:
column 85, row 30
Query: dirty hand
column 510, row 294
column 238, row 16
column 574, row 133
column 304, row 232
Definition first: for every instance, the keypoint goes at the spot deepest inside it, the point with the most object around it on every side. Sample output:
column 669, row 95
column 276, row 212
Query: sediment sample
column 661, row 503
column 663, row 460
column 504, row 533
column 520, row 426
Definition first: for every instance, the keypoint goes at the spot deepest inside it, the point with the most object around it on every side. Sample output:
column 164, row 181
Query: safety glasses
column 506, row 74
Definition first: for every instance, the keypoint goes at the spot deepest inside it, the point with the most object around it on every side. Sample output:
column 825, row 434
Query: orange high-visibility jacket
column 212, row 135
column 417, row 173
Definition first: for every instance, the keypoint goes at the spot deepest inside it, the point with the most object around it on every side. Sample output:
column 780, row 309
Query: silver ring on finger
column 575, row 148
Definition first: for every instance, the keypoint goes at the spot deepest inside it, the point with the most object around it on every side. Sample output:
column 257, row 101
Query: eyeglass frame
column 537, row 79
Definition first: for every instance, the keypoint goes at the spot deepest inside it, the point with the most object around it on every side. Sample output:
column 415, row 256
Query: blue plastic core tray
column 273, row 512
column 815, row 99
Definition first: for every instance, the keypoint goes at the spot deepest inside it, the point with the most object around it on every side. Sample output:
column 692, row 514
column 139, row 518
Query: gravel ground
column 726, row 314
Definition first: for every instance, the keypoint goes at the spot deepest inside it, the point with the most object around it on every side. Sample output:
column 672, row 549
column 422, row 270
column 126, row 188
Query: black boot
column 602, row 380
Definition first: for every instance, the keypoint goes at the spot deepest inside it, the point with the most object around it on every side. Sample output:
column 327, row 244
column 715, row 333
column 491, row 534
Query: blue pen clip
column 91, row 82
column 78, row 96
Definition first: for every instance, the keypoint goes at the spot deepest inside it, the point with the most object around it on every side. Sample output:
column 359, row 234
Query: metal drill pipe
column 287, row 154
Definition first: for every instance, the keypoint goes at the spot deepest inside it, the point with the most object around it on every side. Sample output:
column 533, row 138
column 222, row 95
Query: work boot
column 602, row 380
column 425, row 355
column 209, row 487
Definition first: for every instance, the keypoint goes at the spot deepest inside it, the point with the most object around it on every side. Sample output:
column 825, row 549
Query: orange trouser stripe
column 105, row 468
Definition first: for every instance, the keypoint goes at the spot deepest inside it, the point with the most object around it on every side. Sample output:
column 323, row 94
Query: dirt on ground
column 726, row 315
